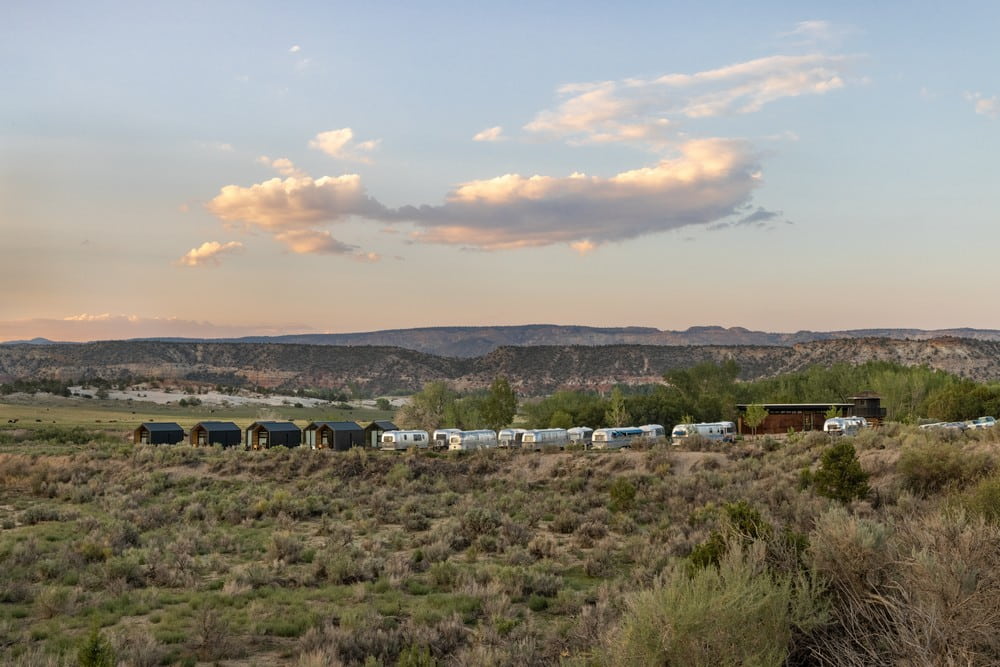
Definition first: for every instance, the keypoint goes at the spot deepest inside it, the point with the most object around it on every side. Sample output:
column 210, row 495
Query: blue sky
column 233, row 168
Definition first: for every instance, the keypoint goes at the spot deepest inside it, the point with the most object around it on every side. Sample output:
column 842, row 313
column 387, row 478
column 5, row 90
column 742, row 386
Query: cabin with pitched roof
column 158, row 433
column 374, row 431
column 267, row 434
column 339, row 436
column 206, row 434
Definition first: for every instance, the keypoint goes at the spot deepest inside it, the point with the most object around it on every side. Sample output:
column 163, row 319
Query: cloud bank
column 707, row 181
column 109, row 326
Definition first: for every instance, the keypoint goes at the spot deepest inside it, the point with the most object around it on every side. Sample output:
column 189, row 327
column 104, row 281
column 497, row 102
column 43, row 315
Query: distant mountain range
column 469, row 342
column 532, row 370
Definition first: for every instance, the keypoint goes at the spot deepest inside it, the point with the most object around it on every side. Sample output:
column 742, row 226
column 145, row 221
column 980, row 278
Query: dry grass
column 498, row 557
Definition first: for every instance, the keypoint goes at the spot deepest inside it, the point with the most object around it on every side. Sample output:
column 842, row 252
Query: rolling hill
column 533, row 370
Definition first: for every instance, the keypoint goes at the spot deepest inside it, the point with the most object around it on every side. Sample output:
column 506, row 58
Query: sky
column 220, row 168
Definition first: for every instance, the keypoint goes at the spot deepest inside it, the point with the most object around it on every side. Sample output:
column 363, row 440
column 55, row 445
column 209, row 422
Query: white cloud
column 208, row 253
column 293, row 208
column 294, row 202
column 340, row 144
column 295, row 49
column 87, row 317
column 708, row 181
column 984, row 106
column 282, row 165
column 490, row 134
column 646, row 111
column 312, row 241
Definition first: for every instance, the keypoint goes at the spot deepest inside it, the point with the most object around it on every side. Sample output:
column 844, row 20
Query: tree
column 561, row 419
column 500, row 405
column 706, row 390
column 840, row 475
column 754, row 417
column 832, row 412
column 617, row 414
column 426, row 409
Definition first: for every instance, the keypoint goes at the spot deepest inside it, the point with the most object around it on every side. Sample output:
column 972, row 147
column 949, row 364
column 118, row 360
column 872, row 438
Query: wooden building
column 158, row 433
column 374, row 431
column 339, row 436
column 868, row 405
column 267, row 434
column 206, row 434
column 785, row 417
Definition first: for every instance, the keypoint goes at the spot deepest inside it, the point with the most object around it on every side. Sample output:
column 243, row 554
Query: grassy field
column 707, row 555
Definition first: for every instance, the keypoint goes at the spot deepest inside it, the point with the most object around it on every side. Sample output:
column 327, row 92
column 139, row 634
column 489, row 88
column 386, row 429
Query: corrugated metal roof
column 218, row 426
column 803, row 406
column 337, row 426
column 276, row 426
column 384, row 424
column 162, row 426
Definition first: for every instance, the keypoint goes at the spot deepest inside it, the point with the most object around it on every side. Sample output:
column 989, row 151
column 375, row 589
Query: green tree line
column 710, row 392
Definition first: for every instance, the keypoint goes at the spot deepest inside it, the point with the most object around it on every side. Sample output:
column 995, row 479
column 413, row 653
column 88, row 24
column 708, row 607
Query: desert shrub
column 347, row 566
column 923, row 591
column 565, row 522
column 137, row 648
column 542, row 546
column 480, row 521
column 622, row 495
column 214, row 639
column 515, row 533
column 600, row 562
column 38, row 513
column 96, row 651
column 740, row 522
column 379, row 640
column 928, row 469
column 982, row 499
column 734, row 614
column 839, row 475
column 286, row 547
column 416, row 656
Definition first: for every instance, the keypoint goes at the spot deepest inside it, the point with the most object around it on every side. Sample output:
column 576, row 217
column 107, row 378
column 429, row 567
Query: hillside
column 467, row 342
column 532, row 370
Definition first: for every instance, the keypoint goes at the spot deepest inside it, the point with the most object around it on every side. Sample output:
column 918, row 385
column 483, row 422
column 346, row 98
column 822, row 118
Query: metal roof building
column 267, row 434
column 374, row 431
column 785, row 417
column 206, row 434
column 158, row 433
column 340, row 436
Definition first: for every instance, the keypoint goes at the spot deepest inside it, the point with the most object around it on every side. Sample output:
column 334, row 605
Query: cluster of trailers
column 342, row 435
column 971, row 424
column 387, row 436
column 455, row 439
